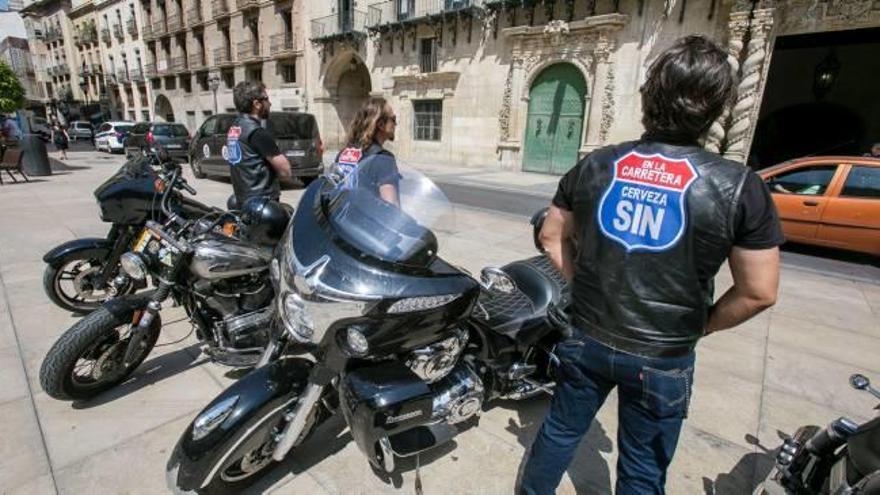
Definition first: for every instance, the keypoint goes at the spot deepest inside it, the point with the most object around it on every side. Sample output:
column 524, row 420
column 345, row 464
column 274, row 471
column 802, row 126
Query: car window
column 172, row 130
column 224, row 122
column 862, row 182
column 124, row 128
column 208, row 127
column 292, row 126
column 810, row 181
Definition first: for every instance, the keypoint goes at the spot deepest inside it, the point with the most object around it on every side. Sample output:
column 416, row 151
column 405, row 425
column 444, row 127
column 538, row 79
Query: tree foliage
column 11, row 90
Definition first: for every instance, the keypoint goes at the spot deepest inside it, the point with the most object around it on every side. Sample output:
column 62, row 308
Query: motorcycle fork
column 123, row 237
column 147, row 316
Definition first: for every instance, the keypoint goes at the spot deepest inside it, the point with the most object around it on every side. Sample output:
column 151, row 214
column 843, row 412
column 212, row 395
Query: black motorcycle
column 407, row 347
column 216, row 267
column 79, row 274
column 842, row 458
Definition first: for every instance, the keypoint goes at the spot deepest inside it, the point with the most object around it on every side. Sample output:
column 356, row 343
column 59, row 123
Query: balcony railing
column 178, row 64
column 162, row 67
column 118, row 32
column 53, row 34
column 194, row 16
column 220, row 8
column 105, row 35
column 150, row 70
column 131, row 25
column 86, row 70
column 197, row 61
column 148, row 30
column 248, row 50
column 222, row 56
column 159, row 28
column 89, row 35
column 336, row 25
column 137, row 75
column 174, row 22
column 391, row 11
column 246, row 4
column 284, row 44
column 122, row 76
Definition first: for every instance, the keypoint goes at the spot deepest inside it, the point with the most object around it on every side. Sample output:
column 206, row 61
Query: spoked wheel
column 73, row 284
column 88, row 358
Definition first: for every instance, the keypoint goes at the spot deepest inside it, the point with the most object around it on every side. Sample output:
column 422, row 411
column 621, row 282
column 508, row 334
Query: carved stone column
column 749, row 98
column 737, row 28
column 601, row 111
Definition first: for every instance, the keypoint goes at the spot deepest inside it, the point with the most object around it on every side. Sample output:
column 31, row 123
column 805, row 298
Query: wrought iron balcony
column 394, row 11
column 89, row 35
column 122, row 76
column 222, row 56
column 174, row 22
column 194, row 16
column 105, row 35
column 220, row 8
column 137, row 75
column 53, row 34
column 283, row 44
column 336, row 26
column 131, row 25
column 248, row 50
column 246, row 4
column 148, row 30
column 118, row 32
column 150, row 70
column 178, row 64
column 197, row 61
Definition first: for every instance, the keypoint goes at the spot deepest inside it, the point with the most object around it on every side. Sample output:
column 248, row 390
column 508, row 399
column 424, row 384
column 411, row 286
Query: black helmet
column 537, row 222
column 264, row 220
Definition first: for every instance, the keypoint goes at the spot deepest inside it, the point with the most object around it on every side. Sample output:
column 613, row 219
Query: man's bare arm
column 281, row 165
column 388, row 192
column 557, row 237
column 755, row 286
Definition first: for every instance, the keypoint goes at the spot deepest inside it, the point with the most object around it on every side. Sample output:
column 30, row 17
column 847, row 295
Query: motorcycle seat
column 522, row 314
column 863, row 451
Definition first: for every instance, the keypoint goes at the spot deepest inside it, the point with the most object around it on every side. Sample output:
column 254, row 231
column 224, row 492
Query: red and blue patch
column 233, row 147
column 643, row 208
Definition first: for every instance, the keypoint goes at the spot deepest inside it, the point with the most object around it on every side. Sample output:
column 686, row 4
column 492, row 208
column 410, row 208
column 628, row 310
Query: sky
column 4, row 4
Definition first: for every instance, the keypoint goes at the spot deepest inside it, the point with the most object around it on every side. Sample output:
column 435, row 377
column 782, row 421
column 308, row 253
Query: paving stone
column 21, row 447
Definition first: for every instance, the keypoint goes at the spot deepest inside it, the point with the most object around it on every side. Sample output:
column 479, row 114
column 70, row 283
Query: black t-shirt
column 756, row 223
column 263, row 144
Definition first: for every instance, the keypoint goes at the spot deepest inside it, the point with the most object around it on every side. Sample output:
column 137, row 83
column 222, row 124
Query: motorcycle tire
column 256, row 437
column 84, row 337
column 52, row 286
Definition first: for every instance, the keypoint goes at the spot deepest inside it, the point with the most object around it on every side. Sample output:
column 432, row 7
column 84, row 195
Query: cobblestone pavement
column 784, row 368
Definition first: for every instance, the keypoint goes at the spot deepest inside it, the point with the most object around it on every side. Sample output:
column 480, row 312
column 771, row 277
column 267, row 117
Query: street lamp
column 214, row 84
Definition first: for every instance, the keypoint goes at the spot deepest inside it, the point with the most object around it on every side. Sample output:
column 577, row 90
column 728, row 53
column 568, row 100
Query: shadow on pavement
column 746, row 474
column 148, row 373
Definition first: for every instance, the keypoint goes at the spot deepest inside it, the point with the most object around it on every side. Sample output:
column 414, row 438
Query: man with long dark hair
column 640, row 229
column 255, row 160
column 373, row 125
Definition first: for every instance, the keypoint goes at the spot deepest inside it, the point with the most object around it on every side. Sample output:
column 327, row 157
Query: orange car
column 830, row 201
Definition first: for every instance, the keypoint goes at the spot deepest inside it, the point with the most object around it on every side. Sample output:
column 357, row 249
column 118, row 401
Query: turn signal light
column 159, row 185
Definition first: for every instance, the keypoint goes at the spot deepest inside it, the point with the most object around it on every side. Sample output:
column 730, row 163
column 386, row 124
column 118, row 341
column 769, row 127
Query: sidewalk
column 785, row 368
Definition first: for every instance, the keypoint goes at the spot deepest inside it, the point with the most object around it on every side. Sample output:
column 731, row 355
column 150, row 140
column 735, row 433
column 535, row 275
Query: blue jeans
column 653, row 395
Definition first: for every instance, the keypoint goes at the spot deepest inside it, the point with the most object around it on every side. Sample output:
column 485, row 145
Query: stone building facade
column 197, row 50
column 15, row 53
column 535, row 85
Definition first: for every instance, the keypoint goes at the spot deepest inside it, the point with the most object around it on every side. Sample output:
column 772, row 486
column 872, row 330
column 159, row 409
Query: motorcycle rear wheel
column 100, row 337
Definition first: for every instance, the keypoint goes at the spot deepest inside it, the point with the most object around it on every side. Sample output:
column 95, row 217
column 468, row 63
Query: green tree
column 11, row 90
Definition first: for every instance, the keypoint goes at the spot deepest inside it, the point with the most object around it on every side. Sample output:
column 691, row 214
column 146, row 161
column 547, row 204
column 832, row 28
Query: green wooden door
column 556, row 117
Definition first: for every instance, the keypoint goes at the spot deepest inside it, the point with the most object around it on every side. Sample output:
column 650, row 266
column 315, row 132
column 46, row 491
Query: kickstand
column 418, row 482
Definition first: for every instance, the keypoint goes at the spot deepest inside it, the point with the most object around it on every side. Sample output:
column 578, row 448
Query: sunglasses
column 392, row 119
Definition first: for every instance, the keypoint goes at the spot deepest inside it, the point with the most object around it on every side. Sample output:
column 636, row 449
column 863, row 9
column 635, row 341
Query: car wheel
column 196, row 165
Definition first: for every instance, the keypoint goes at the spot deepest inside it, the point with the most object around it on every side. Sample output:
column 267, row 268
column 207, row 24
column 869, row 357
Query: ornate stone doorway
column 555, row 120
column 346, row 85
column 163, row 109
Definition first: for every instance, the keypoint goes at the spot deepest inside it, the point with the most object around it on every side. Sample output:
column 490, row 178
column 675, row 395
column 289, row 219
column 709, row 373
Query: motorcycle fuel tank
column 217, row 259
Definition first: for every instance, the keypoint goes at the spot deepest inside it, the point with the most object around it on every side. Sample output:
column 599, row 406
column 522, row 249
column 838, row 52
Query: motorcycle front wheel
column 88, row 358
column 70, row 284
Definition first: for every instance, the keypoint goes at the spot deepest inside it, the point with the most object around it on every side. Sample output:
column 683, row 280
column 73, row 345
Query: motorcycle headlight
column 411, row 304
column 296, row 318
column 357, row 342
column 133, row 266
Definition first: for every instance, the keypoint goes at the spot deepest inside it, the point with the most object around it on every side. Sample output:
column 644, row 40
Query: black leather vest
column 655, row 223
column 251, row 175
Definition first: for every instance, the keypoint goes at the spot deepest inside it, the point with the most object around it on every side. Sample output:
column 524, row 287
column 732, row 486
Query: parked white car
column 110, row 136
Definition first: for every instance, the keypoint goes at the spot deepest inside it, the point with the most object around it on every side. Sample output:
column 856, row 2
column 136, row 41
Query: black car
column 296, row 134
column 170, row 135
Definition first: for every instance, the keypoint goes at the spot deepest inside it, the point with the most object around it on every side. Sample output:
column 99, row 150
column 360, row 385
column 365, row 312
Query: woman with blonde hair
column 372, row 126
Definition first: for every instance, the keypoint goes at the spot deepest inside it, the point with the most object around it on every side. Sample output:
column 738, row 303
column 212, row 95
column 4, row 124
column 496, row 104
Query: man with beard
column 252, row 153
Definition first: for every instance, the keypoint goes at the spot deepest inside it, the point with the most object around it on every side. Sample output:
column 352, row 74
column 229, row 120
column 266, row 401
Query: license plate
column 174, row 146
column 296, row 153
column 142, row 241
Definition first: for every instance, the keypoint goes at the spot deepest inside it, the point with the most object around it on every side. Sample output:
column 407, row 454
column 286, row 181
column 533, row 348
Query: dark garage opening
column 802, row 115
